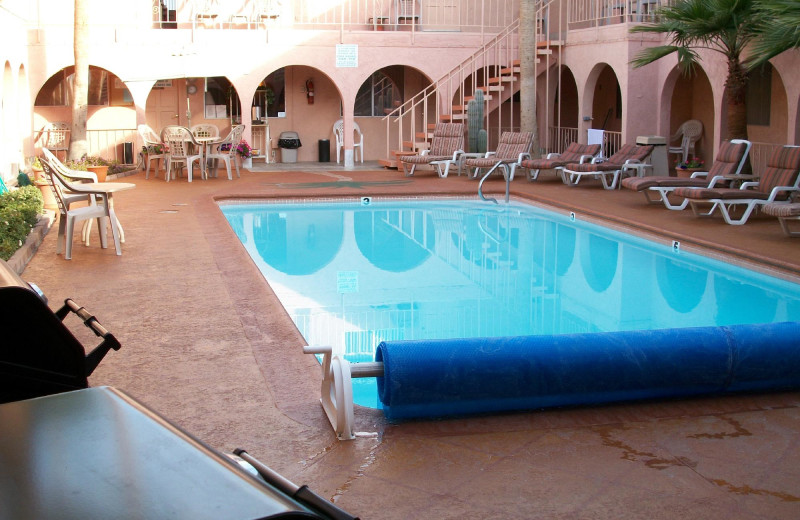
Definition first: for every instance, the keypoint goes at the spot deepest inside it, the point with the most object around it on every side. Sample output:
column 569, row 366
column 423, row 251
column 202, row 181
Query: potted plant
column 685, row 169
column 95, row 164
column 36, row 168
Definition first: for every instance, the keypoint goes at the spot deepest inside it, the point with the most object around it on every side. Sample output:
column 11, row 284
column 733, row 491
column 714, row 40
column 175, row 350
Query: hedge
column 19, row 212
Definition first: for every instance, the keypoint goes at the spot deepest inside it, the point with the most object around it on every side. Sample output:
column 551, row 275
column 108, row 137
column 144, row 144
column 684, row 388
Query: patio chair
column 728, row 164
column 512, row 149
column 265, row 10
column 627, row 157
column 56, row 137
column 446, row 147
column 68, row 197
column 205, row 12
column 575, row 153
column 205, row 130
column 689, row 133
column 69, row 216
column 785, row 212
column 152, row 143
column 182, row 149
column 358, row 138
column 226, row 150
column 780, row 180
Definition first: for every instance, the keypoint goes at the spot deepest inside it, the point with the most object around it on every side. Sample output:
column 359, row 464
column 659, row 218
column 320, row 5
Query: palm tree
column 80, row 101
column 778, row 26
column 724, row 26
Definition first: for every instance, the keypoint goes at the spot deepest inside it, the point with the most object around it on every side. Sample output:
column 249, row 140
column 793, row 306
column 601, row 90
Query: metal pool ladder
column 486, row 176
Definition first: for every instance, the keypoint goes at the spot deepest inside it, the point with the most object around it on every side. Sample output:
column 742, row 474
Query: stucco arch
column 601, row 101
column 684, row 98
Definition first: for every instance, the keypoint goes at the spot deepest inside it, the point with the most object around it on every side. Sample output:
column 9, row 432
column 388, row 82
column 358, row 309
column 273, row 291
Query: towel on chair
column 596, row 137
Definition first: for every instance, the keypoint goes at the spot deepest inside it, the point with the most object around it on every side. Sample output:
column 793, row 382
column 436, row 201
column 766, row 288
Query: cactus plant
column 483, row 141
column 475, row 122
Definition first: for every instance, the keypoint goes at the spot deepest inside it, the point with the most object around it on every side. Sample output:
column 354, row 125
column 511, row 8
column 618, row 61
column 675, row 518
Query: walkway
column 206, row 344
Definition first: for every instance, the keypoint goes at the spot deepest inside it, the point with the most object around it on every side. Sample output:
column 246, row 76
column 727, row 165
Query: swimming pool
column 353, row 275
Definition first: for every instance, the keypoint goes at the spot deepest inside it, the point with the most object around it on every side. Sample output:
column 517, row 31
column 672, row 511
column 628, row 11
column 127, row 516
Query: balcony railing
column 381, row 15
column 593, row 13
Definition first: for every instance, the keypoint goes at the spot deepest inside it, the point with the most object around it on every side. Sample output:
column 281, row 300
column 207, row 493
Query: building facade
column 393, row 67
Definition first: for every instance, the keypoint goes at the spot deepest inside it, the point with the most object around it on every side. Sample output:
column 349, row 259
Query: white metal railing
column 109, row 144
column 593, row 13
column 414, row 15
column 560, row 137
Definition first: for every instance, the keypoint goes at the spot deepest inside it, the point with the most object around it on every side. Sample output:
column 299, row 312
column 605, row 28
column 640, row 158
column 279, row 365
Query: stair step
column 544, row 52
column 510, row 70
column 388, row 163
column 486, row 97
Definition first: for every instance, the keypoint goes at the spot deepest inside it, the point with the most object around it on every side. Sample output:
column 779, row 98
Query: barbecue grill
column 39, row 355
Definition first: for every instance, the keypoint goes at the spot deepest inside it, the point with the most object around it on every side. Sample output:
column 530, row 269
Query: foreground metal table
column 97, row 453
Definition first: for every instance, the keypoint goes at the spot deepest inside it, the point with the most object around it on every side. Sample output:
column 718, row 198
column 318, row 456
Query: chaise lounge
column 629, row 157
column 728, row 165
column 778, row 182
column 446, row 147
column 513, row 148
column 575, row 153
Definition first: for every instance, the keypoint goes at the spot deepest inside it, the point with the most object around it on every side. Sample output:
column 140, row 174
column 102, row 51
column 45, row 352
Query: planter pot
column 247, row 163
column 687, row 172
column 47, row 194
column 38, row 174
column 100, row 171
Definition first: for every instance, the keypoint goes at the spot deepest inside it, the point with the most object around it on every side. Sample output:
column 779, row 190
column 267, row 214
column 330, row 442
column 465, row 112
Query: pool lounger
column 438, row 378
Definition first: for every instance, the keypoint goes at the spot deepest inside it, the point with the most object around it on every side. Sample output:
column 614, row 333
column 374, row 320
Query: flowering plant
column 155, row 149
column 694, row 162
column 243, row 149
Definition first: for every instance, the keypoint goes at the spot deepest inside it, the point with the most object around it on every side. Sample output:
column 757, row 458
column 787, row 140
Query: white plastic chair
column 689, row 133
column 233, row 139
column 69, row 216
column 205, row 130
column 205, row 11
column 150, row 140
column 56, row 137
column 265, row 10
column 70, row 198
column 358, row 139
column 182, row 149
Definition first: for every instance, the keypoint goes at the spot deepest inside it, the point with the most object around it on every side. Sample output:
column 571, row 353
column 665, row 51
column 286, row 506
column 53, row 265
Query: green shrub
column 19, row 212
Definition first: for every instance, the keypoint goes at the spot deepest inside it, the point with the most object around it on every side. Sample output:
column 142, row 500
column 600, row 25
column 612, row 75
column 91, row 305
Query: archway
column 689, row 99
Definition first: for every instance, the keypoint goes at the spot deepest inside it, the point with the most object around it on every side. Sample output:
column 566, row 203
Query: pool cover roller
column 437, row 378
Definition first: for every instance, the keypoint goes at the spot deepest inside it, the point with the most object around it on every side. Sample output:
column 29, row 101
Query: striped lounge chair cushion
column 782, row 169
column 572, row 154
column 726, row 163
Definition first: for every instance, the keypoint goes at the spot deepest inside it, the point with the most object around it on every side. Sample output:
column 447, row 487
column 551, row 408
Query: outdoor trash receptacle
column 289, row 142
column 324, row 150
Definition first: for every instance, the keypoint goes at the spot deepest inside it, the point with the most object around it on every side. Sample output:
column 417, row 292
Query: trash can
column 289, row 142
column 324, row 150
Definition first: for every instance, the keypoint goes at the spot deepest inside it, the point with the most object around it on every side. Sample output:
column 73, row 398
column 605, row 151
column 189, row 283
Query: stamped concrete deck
column 206, row 344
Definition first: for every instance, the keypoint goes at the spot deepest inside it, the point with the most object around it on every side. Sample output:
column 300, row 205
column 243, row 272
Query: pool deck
column 207, row 344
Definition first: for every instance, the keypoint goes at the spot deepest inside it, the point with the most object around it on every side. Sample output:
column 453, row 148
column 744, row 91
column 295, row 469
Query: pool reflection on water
column 353, row 276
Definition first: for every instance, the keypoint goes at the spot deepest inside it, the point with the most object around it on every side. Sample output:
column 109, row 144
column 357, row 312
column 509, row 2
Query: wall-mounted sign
column 347, row 281
column 163, row 83
column 346, row 55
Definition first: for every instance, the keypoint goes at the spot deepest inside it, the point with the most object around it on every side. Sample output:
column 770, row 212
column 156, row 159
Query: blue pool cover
column 437, row 378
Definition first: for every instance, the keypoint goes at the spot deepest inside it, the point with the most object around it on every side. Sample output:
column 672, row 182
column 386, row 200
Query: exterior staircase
column 494, row 68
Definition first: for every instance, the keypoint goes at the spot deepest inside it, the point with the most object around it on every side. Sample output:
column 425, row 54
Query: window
column 218, row 97
column 270, row 97
column 104, row 89
column 164, row 14
column 759, row 96
column 377, row 96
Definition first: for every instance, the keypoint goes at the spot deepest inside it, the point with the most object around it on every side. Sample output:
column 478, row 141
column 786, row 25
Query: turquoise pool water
column 353, row 275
